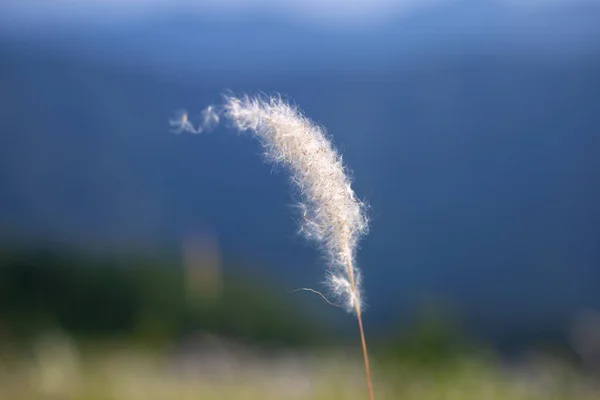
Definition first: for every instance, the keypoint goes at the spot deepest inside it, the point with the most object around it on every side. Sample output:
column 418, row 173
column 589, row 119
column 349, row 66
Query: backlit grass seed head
column 331, row 214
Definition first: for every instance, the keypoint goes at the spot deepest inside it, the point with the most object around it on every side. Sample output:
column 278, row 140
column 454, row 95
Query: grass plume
column 332, row 215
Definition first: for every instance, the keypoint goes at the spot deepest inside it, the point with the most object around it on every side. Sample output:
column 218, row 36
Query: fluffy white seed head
column 331, row 214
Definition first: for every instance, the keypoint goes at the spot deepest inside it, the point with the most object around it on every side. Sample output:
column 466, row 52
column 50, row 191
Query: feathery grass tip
column 331, row 214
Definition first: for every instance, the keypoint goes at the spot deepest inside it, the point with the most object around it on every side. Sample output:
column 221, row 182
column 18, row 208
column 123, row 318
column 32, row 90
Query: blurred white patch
column 56, row 370
column 182, row 123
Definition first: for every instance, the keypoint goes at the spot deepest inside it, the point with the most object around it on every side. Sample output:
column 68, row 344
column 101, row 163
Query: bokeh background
column 136, row 262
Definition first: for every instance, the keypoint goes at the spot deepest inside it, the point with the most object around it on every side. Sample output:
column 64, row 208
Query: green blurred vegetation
column 434, row 337
column 57, row 369
column 152, row 300
column 140, row 298
column 100, row 327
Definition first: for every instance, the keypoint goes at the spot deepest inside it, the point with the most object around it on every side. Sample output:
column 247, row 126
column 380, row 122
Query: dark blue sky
column 471, row 130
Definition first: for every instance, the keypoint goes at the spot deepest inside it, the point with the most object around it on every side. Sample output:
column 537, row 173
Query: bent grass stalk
column 331, row 214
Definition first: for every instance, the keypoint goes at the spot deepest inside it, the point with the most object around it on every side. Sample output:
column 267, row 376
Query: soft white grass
column 332, row 215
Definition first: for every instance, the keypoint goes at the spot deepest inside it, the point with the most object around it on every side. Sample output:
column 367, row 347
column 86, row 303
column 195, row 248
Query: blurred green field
column 211, row 368
column 79, row 327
